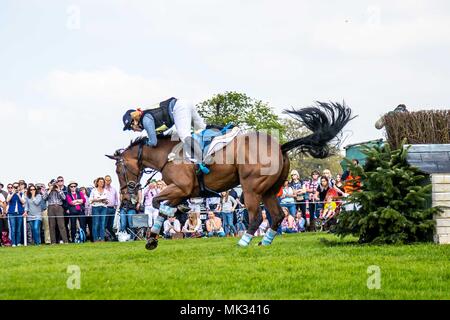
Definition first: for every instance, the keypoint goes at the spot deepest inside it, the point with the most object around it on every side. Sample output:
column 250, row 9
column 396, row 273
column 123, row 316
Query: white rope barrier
column 117, row 213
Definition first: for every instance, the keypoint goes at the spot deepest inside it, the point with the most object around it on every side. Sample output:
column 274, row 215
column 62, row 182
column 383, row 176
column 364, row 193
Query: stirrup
column 203, row 168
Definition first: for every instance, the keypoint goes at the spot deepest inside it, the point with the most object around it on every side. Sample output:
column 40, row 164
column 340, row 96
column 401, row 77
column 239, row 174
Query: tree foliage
column 241, row 110
column 394, row 200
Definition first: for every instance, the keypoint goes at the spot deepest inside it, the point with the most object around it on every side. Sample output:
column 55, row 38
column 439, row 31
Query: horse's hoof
column 151, row 244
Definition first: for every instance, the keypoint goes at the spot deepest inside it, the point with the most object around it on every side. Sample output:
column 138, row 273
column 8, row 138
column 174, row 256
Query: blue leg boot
column 268, row 238
column 245, row 240
column 152, row 241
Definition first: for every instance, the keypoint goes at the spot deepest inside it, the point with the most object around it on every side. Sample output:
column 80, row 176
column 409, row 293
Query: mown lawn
column 299, row 266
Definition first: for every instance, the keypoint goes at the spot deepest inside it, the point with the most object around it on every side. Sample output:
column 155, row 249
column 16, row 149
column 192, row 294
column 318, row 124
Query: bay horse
column 254, row 160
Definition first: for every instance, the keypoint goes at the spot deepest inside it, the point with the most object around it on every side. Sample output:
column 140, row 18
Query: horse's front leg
column 173, row 195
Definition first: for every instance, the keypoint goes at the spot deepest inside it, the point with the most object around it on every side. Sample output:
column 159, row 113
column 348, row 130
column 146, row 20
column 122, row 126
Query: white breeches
column 184, row 115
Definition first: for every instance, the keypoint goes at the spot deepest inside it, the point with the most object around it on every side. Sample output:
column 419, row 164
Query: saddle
column 214, row 138
column 210, row 140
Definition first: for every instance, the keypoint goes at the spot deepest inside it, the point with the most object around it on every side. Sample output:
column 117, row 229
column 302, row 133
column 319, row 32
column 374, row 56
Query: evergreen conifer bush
column 394, row 200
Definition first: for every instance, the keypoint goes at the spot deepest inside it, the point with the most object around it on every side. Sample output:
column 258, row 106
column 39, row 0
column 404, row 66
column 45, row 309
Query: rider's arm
column 149, row 125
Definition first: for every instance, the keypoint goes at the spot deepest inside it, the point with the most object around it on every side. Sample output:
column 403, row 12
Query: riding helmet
column 127, row 120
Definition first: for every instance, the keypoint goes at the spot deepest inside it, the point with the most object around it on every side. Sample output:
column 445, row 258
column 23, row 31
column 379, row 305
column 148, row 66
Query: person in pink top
column 149, row 193
column 76, row 202
column 113, row 204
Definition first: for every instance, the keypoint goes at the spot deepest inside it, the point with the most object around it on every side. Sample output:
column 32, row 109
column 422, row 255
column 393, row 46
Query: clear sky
column 70, row 69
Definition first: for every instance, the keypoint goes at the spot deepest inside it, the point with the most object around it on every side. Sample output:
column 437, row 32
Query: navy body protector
column 162, row 115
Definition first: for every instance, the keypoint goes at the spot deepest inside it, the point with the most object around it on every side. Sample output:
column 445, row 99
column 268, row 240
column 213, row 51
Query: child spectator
column 300, row 222
column 171, row 227
column 329, row 208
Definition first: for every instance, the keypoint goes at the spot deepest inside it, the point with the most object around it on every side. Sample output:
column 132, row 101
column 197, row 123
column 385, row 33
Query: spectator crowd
column 35, row 213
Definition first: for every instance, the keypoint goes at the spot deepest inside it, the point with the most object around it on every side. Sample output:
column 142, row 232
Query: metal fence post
column 25, row 231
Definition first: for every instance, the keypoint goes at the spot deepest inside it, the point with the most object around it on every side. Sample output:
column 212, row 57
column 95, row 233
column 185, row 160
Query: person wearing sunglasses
column 76, row 201
column 16, row 202
column 33, row 212
column 63, row 188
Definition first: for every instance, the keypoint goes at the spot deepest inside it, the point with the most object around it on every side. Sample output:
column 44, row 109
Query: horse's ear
column 111, row 157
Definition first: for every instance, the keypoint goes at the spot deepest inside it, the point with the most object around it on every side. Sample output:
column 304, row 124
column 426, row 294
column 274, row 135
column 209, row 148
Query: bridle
column 132, row 185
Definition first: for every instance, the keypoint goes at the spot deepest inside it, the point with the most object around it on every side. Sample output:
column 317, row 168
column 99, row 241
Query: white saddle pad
column 220, row 142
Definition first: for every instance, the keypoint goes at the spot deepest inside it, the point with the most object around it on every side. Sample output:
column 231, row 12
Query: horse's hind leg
column 274, row 208
column 252, row 201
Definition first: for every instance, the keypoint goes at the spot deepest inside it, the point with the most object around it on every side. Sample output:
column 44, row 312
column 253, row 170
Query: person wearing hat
column 170, row 115
column 76, row 201
column 55, row 198
column 41, row 188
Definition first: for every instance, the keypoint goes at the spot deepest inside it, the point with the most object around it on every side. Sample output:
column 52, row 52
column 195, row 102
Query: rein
column 138, row 176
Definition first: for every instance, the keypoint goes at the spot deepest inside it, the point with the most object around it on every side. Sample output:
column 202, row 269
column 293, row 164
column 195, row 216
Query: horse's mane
column 142, row 140
column 138, row 141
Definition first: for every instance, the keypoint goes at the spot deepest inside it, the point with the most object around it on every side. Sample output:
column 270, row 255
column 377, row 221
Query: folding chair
column 139, row 222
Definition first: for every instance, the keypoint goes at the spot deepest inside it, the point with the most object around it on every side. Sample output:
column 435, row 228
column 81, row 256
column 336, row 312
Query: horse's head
column 129, row 168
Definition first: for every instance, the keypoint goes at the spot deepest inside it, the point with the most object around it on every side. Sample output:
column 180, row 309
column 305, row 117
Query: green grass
column 298, row 266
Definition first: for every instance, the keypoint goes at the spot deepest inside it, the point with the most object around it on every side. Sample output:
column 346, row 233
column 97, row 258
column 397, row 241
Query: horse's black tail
column 325, row 120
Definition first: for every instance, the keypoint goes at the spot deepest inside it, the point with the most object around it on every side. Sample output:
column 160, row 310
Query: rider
column 171, row 113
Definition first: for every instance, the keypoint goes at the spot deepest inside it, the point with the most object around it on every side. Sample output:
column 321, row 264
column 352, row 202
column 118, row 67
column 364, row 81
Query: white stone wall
column 441, row 197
